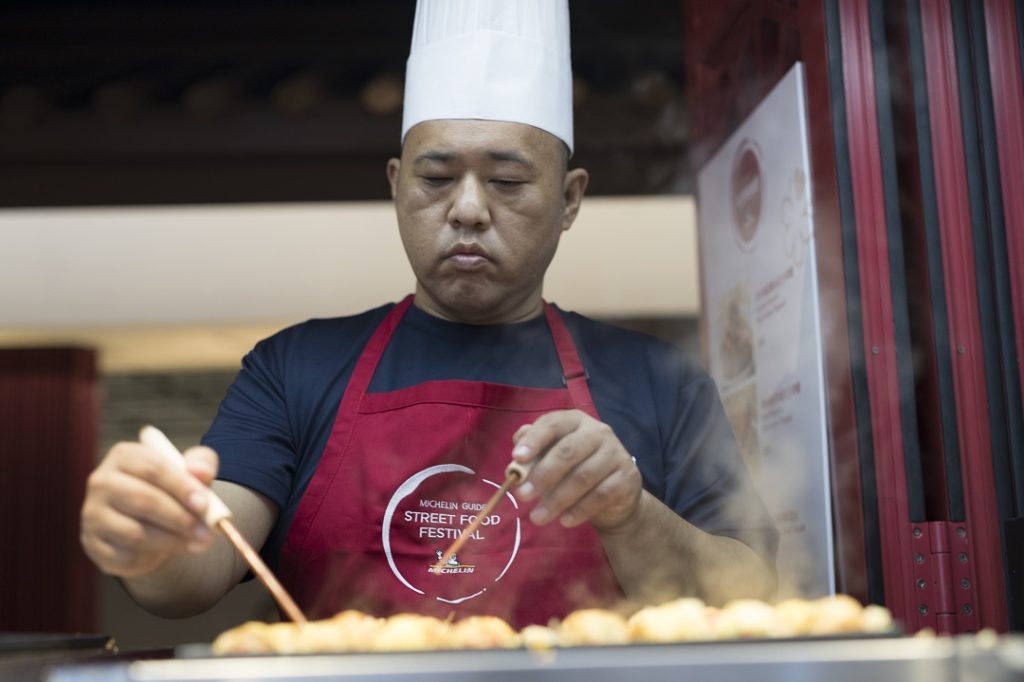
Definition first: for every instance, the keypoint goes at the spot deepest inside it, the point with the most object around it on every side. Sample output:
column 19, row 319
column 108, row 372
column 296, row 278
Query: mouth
column 467, row 256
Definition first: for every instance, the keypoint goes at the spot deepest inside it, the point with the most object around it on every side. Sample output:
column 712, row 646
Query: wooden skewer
column 262, row 571
column 515, row 473
column 218, row 517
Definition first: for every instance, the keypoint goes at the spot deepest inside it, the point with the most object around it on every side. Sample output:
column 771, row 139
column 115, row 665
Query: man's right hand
column 140, row 509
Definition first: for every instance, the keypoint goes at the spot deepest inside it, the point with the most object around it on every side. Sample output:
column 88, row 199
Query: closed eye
column 435, row 180
column 507, row 184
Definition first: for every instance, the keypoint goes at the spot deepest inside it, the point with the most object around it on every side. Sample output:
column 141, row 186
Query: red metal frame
column 877, row 311
column 844, row 448
column 1008, row 105
column 962, row 307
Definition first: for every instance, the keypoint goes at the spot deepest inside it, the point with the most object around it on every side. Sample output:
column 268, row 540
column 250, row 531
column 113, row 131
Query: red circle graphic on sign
column 747, row 193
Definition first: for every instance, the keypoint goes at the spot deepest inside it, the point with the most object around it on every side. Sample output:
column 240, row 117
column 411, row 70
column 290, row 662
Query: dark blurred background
column 130, row 102
column 114, row 103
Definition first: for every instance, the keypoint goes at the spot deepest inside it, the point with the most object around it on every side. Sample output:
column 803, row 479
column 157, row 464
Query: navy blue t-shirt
column 274, row 421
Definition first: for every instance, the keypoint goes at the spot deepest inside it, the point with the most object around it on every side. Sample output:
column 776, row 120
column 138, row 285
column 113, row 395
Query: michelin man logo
column 451, row 566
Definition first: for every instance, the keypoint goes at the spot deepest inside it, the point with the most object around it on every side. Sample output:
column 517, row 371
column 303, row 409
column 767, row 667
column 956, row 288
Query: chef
column 353, row 450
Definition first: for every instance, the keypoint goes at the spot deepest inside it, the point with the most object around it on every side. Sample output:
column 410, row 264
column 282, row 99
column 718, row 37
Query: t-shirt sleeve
column 706, row 480
column 251, row 432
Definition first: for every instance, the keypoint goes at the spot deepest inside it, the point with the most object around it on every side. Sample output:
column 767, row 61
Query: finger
column 543, row 432
column 519, row 433
column 122, row 546
column 111, row 559
column 138, row 537
column 202, row 462
column 147, row 503
column 608, row 504
column 127, row 561
column 575, row 486
column 141, row 547
column 561, row 458
column 145, row 463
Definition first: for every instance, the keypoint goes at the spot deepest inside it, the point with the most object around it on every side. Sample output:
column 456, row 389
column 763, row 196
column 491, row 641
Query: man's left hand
column 581, row 471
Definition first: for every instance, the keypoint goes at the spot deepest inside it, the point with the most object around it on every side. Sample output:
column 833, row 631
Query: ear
column 394, row 166
column 573, row 187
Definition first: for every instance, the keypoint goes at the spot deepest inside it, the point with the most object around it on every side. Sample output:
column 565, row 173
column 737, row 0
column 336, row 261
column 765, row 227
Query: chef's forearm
column 187, row 585
column 658, row 556
column 192, row 583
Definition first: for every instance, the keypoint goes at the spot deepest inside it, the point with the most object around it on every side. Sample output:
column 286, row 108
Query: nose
column 469, row 205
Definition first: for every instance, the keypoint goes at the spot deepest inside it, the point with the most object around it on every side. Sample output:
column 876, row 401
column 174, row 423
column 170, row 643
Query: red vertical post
column 48, row 433
column 844, row 449
column 1008, row 104
column 958, row 264
column 877, row 310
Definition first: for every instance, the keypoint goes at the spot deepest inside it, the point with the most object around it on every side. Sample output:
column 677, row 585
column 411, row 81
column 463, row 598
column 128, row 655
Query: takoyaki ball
column 356, row 630
column 675, row 621
column 797, row 615
column 836, row 614
column 248, row 638
column 595, row 627
column 539, row 637
column 411, row 632
column 876, row 618
column 748, row 618
column 483, row 632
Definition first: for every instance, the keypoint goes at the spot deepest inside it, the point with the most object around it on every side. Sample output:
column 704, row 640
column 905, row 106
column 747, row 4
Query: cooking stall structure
column 915, row 116
column 916, row 140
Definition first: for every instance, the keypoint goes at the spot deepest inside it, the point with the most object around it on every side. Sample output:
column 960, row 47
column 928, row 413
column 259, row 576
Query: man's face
column 481, row 206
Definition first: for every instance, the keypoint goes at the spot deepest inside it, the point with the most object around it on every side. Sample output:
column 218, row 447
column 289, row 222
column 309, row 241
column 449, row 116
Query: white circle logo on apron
column 428, row 512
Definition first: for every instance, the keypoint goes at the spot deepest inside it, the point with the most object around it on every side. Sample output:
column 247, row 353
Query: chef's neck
column 528, row 308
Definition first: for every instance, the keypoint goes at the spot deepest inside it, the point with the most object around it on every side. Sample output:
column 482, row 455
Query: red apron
column 403, row 472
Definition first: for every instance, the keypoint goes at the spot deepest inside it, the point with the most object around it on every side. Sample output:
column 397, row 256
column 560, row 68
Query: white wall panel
column 210, row 279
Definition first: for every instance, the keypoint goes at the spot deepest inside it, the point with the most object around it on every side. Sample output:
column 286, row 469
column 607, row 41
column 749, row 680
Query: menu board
column 763, row 323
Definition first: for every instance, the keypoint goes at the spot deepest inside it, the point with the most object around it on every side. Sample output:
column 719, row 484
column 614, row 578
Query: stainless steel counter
column 966, row 659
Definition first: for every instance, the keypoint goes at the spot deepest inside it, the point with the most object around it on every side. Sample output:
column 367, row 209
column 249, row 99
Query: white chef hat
column 500, row 60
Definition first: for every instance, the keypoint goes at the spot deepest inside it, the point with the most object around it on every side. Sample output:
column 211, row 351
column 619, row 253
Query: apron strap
column 365, row 368
column 574, row 374
column 358, row 384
